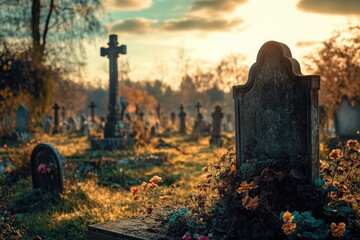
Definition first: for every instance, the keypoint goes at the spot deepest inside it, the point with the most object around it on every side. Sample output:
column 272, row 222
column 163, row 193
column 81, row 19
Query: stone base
column 123, row 229
column 112, row 144
column 218, row 142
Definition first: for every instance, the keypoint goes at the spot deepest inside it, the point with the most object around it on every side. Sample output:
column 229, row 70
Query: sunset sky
column 154, row 30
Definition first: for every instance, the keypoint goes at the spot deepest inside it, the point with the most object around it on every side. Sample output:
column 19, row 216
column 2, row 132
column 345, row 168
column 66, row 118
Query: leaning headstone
column 277, row 111
column 22, row 119
column 182, row 117
column 47, row 168
column 217, row 116
column 347, row 119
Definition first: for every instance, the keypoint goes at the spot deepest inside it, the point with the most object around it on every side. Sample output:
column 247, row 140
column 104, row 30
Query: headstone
column 56, row 119
column 199, row 123
column 112, row 52
column 83, row 120
column 47, row 168
column 92, row 107
column 217, row 116
column 22, row 119
column 86, row 129
column 229, row 128
column 182, row 117
column 347, row 119
column 277, row 111
column 72, row 124
column 47, row 125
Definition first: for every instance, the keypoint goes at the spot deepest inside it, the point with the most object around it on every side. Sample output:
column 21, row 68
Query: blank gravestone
column 277, row 111
column 217, row 116
column 22, row 119
column 347, row 119
column 47, row 168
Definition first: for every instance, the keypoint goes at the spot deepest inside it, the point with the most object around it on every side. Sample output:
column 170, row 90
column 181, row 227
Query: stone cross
column 217, row 115
column 56, row 118
column 22, row 119
column 112, row 52
column 92, row 107
column 276, row 111
column 182, row 117
column 347, row 119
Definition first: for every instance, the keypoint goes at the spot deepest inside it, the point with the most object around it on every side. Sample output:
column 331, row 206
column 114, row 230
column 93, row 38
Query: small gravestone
column 217, row 116
column 47, row 125
column 22, row 119
column 72, row 125
column 277, row 111
column 347, row 119
column 86, row 129
column 83, row 120
column 56, row 119
column 182, row 117
column 47, row 168
column 199, row 123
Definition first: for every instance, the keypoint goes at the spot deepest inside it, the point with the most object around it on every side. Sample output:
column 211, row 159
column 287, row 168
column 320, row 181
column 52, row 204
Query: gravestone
column 22, row 119
column 72, row 124
column 92, row 107
column 217, row 116
column 182, row 117
column 47, row 168
column 229, row 128
column 86, row 129
column 347, row 119
column 83, row 121
column 113, row 117
column 47, row 125
column 199, row 123
column 56, row 119
column 277, row 111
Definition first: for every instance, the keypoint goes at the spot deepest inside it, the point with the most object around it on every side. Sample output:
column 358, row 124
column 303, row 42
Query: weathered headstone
column 217, row 116
column 47, row 168
column 47, row 125
column 56, row 119
column 277, row 111
column 92, row 107
column 113, row 117
column 22, row 119
column 72, row 125
column 347, row 119
column 182, row 117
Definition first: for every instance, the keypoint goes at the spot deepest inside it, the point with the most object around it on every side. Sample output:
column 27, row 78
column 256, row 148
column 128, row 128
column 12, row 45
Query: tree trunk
column 37, row 51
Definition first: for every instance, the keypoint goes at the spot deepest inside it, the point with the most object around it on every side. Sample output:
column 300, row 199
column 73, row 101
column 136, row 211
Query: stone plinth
column 112, row 143
column 123, row 229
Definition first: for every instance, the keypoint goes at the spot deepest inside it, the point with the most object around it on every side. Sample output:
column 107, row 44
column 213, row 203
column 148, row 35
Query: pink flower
column 186, row 237
column 43, row 169
column 202, row 238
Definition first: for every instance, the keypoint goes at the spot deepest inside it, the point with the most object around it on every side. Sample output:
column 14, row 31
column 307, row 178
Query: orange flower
column 288, row 217
column 134, row 190
column 337, row 230
column 351, row 143
column 253, row 203
column 162, row 198
column 244, row 187
column 143, row 185
column 288, row 228
column 335, row 154
column 155, row 179
column 152, row 185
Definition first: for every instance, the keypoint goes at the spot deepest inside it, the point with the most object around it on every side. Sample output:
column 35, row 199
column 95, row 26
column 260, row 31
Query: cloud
column 127, row 4
column 132, row 26
column 343, row 7
column 203, row 24
column 215, row 7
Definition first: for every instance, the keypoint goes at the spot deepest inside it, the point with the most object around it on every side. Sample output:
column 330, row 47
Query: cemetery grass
column 103, row 193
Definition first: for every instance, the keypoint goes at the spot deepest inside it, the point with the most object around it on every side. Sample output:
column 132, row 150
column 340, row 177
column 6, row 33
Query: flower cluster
column 188, row 237
column 337, row 230
column 288, row 226
column 248, row 202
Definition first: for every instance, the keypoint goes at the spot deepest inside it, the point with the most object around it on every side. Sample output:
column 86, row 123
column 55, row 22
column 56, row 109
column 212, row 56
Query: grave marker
column 347, row 119
column 182, row 116
column 47, row 168
column 277, row 111
column 56, row 118
column 112, row 52
column 92, row 107
column 217, row 116
column 22, row 119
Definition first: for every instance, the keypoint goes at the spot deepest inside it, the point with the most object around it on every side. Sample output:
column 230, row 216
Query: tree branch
column 46, row 28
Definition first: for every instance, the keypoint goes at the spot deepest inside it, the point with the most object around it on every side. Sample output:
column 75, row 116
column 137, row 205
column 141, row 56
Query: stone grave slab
column 277, row 112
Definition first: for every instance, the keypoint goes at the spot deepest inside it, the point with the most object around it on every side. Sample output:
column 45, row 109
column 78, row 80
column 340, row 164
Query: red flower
column 43, row 169
column 186, row 237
